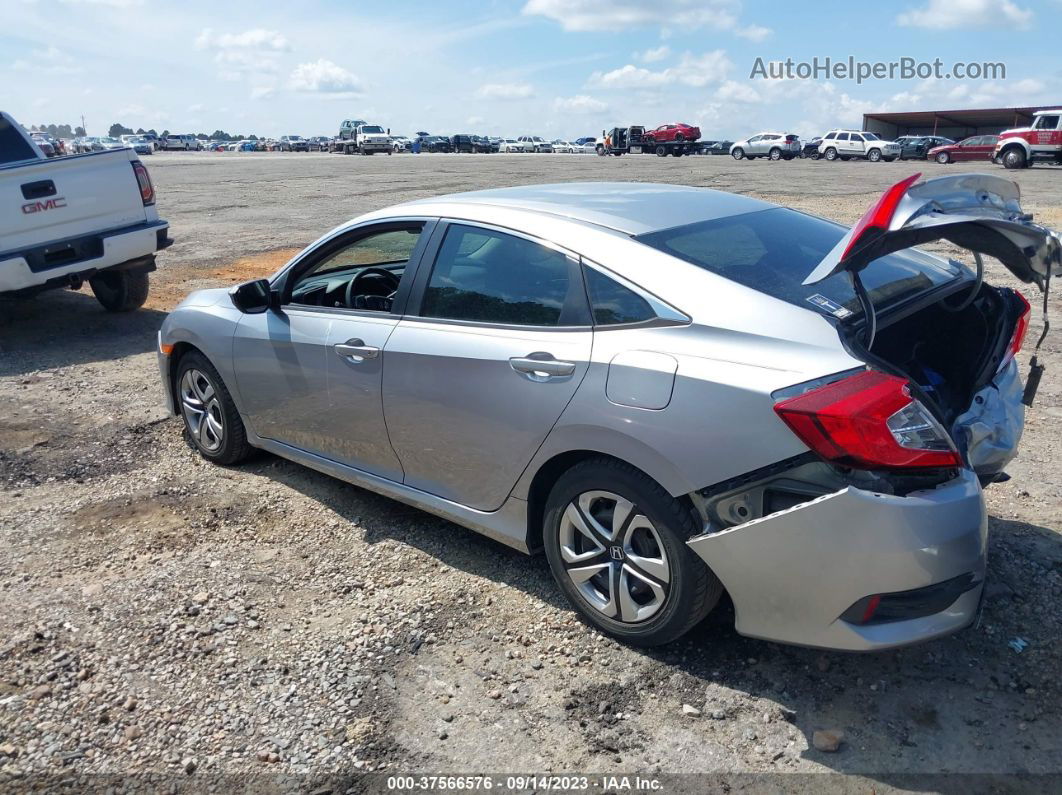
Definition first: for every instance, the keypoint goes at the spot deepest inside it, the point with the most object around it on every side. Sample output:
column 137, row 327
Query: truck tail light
column 869, row 421
column 1021, row 328
column 147, row 190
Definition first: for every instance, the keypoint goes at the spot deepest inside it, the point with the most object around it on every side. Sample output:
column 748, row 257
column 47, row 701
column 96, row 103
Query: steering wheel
column 353, row 284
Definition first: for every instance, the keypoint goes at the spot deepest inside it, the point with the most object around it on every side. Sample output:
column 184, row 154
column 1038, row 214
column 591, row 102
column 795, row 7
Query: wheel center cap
column 616, row 552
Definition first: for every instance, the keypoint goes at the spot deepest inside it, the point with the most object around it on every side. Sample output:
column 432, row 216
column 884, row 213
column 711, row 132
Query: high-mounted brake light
column 147, row 190
column 869, row 421
column 1021, row 328
column 880, row 215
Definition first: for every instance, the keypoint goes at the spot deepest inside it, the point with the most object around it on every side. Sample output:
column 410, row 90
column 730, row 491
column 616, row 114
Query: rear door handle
column 355, row 350
column 542, row 368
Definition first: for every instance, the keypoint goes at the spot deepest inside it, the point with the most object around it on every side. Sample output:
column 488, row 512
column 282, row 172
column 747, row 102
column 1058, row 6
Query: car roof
column 633, row 208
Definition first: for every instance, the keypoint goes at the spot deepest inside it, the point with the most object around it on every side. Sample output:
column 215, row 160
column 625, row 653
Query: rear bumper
column 22, row 270
column 792, row 574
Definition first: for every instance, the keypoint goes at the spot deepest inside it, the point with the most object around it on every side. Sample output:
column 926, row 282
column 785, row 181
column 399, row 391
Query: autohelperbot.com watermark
column 851, row 68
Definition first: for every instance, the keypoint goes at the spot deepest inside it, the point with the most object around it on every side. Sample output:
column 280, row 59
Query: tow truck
column 1041, row 141
column 632, row 140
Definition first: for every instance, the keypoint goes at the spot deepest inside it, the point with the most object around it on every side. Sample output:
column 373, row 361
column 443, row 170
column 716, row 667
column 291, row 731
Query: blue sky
column 537, row 67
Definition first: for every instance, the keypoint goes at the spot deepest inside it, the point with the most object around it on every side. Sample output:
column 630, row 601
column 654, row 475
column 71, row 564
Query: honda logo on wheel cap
column 616, row 553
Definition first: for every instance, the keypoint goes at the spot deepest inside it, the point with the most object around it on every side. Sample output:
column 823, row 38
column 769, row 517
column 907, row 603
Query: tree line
column 116, row 129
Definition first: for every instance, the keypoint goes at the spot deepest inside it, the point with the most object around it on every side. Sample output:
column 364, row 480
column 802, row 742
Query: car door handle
column 356, row 350
column 541, row 366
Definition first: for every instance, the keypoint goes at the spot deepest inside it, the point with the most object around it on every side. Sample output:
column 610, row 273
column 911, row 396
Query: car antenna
column 1036, row 370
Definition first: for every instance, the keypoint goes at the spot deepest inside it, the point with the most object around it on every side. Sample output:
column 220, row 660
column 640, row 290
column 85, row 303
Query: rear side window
column 13, row 147
column 612, row 303
column 492, row 277
column 774, row 250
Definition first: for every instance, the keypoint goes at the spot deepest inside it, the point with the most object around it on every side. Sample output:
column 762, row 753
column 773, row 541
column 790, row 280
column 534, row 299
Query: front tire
column 738, row 154
column 211, row 419
column 874, row 155
column 943, row 158
column 120, row 291
column 616, row 545
column 831, row 154
column 1014, row 158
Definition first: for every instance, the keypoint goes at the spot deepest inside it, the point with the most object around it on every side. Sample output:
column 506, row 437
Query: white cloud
column 49, row 61
column 580, row 103
column 733, row 91
column 954, row 14
column 474, row 121
column 616, row 15
column 196, row 108
column 754, row 33
column 111, row 3
column 693, row 70
column 324, row 77
column 253, row 51
column 506, row 91
column 653, row 55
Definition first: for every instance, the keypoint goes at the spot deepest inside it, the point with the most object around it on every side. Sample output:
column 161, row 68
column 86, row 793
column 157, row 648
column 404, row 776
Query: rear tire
column 120, row 291
column 775, row 154
column 211, row 419
column 616, row 545
column 661, row 151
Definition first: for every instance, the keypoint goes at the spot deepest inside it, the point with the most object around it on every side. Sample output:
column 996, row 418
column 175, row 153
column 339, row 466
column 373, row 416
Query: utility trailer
column 631, row 140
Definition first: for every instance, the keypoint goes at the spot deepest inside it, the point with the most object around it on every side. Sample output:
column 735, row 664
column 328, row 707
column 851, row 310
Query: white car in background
column 846, row 144
column 401, row 143
column 564, row 147
column 511, row 145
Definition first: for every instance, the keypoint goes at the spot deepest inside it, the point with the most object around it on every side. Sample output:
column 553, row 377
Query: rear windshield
column 13, row 147
column 774, row 250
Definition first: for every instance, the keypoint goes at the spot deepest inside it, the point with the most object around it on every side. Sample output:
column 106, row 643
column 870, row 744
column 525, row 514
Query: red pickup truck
column 1042, row 140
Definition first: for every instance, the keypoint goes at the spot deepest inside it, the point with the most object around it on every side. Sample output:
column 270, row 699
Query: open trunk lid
column 978, row 212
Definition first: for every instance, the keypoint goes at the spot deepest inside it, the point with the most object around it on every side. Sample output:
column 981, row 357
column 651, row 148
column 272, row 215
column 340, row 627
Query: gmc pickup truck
column 68, row 220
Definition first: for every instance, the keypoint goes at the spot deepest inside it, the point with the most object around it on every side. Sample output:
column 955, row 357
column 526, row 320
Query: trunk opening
column 951, row 355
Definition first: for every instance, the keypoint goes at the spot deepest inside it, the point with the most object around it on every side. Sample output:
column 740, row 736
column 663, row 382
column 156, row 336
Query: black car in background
column 811, row 148
column 433, row 143
column 915, row 147
column 482, row 144
column 712, row 147
column 463, row 143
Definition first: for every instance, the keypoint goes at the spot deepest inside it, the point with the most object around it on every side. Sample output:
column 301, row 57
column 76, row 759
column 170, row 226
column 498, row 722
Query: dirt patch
column 170, row 284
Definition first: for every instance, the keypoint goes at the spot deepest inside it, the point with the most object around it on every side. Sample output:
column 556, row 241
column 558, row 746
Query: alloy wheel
column 202, row 410
column 614, row 557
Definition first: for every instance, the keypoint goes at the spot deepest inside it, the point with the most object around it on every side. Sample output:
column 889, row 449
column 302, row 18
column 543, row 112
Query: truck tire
column 874, row 155
column 601, row 151
column 120, row 291
column 676, row 152
column 1014, row 158
column 661, row 151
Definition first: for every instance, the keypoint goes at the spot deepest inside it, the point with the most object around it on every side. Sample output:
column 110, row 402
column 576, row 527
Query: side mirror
column 252, row 298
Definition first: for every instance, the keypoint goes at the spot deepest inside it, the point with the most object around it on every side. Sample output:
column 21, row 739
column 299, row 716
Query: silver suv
column 846, row 144
column 773, row 145
column 671, row 391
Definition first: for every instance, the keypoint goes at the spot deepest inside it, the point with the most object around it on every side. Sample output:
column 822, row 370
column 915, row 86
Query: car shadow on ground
column 957, row 703
column 60, row 328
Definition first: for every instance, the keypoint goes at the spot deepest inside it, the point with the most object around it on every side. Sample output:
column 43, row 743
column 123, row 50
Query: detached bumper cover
column 792, row 574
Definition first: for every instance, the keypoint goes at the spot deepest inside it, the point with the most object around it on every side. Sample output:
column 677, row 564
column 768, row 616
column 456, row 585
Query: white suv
column 181, row 142
column 846, row 144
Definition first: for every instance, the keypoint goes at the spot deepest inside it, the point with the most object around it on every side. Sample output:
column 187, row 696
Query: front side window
column 493, row 277
column 386, row 252
column 1047, row 122
column 612, row 303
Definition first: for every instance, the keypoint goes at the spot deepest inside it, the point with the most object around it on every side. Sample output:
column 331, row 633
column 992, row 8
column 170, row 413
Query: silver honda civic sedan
column 673, row 392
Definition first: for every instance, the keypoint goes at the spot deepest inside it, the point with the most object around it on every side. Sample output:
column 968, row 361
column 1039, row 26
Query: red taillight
column 869, row 421
column 880, row 215
column 147, row 190
column 1021, row 328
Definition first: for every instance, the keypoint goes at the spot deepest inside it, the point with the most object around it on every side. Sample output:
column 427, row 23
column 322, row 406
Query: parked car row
column 864, row 145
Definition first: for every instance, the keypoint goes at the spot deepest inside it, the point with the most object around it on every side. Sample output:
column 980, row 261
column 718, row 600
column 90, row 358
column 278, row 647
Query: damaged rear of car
column 876, row 536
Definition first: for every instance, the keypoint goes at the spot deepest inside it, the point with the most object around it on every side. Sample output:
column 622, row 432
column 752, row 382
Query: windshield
column 372, row 128
column 774, row 250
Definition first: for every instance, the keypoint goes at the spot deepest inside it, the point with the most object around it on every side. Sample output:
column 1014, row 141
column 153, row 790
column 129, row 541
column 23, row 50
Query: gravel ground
column 213, row 627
